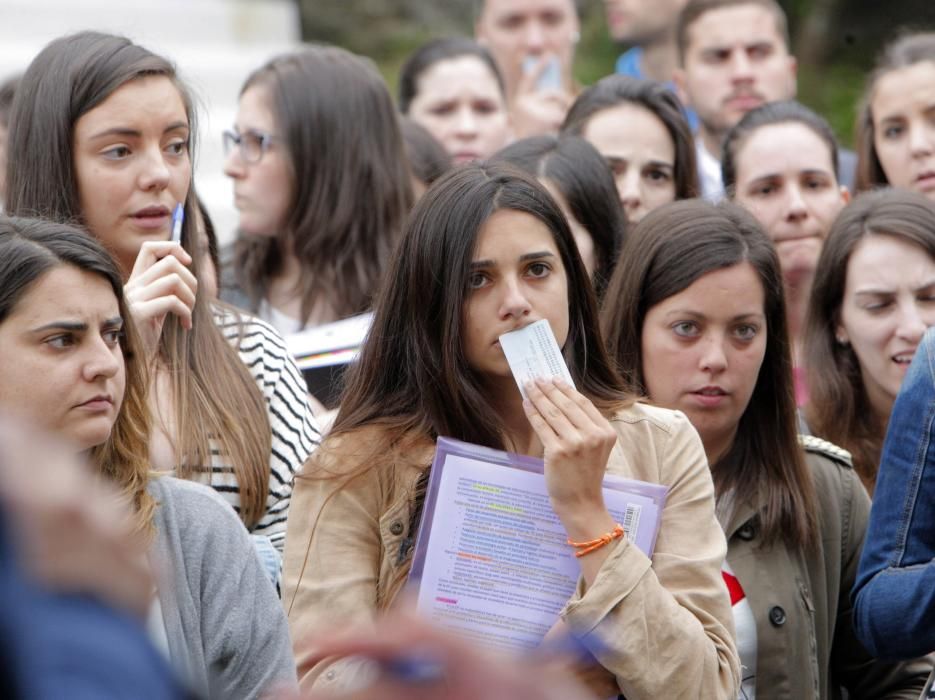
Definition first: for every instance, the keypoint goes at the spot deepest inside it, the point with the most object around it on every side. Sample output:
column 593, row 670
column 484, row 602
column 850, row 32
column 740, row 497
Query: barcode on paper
column 631, row 521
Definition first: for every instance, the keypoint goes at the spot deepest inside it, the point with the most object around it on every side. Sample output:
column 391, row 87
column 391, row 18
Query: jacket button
column 396, row 528
column 777, row 616
column 746, row 532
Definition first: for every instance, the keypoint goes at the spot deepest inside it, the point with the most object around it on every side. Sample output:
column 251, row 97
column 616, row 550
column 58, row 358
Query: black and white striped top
column 295, row 432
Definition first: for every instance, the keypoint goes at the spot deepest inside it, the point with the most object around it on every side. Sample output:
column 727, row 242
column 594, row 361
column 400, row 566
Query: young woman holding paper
column 102, row 134
column 697, row 323
column 432, row 366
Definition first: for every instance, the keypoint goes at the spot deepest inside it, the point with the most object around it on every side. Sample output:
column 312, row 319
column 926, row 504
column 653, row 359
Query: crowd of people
column 742, row 305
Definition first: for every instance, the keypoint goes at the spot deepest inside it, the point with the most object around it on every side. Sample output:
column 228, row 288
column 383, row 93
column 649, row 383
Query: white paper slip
column 533, row 352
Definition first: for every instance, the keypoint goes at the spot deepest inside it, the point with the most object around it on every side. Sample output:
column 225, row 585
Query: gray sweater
column 226, row 629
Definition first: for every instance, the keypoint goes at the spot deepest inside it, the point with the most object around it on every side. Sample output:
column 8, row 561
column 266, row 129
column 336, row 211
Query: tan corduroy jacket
column 806, row 646
column 663, row 628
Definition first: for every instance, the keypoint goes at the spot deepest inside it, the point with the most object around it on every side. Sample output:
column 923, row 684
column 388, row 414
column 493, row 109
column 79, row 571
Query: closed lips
column 711, row 391
column 150, row 212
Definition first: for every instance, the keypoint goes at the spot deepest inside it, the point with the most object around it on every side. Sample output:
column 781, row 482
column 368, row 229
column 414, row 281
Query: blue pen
column 178, row 216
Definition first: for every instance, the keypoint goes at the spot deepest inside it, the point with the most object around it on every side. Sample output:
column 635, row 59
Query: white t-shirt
column 745, row 627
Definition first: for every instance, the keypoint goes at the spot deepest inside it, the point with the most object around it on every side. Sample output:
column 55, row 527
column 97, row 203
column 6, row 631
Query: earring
column 842, row 341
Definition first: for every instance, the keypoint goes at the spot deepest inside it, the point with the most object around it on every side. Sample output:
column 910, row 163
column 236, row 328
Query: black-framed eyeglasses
column 251, row 143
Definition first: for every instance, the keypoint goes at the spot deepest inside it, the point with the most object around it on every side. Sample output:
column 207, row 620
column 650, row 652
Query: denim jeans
column 894, row 595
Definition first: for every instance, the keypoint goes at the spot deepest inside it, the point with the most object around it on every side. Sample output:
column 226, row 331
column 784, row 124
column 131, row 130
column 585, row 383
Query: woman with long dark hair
column 488, row 251
column 102, row 134
column 696, row 321
column 639, row 128
column 872, row 300
column 322, row 185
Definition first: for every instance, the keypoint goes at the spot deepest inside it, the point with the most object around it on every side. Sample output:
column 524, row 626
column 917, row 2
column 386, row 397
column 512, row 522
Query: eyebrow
column 478, row 264
column 695, row 314
column 777, row 176
column 884, row 292
column 126, row 131
column 76, row 326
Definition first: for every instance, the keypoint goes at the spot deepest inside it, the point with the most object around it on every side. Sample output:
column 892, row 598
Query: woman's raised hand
column 577, row 440
column 160, row 284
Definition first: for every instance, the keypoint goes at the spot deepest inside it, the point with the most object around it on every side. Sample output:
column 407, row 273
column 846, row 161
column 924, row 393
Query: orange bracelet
column 589, row 546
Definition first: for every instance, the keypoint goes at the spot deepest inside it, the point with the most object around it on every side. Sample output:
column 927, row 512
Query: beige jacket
column 663, row 627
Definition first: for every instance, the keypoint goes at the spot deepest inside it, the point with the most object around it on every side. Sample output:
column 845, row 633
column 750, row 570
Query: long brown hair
column 412, row 382
column 839, row 408
column 667, row 252
column 412, row 375
column 350, row 180
column 213, row 393
column 903, row 52
column 31, row 248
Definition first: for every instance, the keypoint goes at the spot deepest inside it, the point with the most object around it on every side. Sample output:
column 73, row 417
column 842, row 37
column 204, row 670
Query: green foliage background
column 836, row 41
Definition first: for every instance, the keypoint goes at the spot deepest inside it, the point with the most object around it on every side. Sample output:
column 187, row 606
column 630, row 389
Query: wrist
column 587, row 523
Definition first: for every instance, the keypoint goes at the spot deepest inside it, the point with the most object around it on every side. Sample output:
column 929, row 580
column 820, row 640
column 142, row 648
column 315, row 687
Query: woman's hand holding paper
column 577, row 441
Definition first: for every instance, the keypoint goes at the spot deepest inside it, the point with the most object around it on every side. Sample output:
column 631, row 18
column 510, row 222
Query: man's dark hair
column 694, row 10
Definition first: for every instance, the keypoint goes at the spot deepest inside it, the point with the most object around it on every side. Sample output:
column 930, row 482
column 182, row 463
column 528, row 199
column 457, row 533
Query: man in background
column 733, row 57
column 533, row 43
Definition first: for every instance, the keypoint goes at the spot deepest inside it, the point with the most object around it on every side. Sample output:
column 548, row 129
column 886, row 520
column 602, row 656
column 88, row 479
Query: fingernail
column 529, row 385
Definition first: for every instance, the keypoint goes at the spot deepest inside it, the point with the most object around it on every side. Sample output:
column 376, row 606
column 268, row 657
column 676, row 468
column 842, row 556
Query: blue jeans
column 894, row 596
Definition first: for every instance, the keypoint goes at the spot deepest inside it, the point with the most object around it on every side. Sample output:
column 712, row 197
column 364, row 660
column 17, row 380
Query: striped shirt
column 295, row 432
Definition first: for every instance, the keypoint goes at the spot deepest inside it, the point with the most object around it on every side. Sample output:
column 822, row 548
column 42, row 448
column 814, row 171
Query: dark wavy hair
column 350, row 177
column 839, row 409
column 667, row 252
column 615, row 90
column 582, row 177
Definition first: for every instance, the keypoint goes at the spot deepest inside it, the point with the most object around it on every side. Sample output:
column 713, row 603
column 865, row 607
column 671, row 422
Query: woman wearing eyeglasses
column 322, row 185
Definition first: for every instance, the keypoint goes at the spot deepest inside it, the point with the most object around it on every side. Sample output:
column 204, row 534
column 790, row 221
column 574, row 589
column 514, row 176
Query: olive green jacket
column 806, row 646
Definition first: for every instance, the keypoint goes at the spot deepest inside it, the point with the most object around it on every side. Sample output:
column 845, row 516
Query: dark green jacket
column 806, row 646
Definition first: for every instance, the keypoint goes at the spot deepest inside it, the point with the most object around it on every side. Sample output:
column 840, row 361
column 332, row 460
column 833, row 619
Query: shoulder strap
column 827, row 449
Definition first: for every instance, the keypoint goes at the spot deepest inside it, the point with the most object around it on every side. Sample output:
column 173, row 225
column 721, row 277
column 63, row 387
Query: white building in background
column 214, row 43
